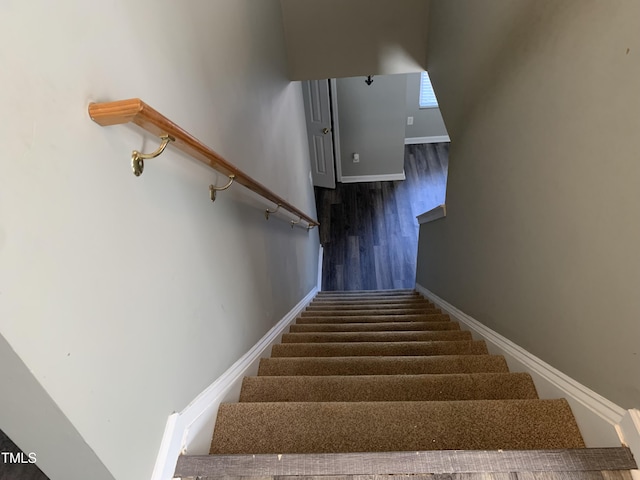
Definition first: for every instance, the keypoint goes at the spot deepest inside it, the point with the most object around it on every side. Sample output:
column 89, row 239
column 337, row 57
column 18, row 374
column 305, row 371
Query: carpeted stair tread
column 375, row 293
column 386, row 388
column 324, row 337
column 306, row 427
column 387, row 371
column 382, row 307
column 371, row 301
column 391, row 365
column 365, row 298
column 371, row 311
column 372, row 318
column 343, row 349
column 374, row 327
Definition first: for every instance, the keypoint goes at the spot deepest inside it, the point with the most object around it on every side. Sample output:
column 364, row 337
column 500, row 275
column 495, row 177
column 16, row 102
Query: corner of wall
column 596, row 416
column 629, row 431
column 35, row 423
column 191, row 430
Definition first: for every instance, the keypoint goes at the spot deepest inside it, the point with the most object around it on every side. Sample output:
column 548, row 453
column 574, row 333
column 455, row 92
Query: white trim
column 333, row 86
column 433, row 139
column 629, row 432
column 169, row 444
column 392, row 177
column 434, row 214
column 320, row 261
column 596, row 416
column 191, row 430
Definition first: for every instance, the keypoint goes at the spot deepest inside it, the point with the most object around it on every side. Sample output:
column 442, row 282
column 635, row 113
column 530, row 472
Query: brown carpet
column 409, row 365
column 364, row 305
column 374, row 349
column 324, row 427
column 387, row 371
column 369, row 293
column 373, row 327
column 392, row 388
column 371, row 311
column 372, row 301
column 308, row 317
column 423, row 336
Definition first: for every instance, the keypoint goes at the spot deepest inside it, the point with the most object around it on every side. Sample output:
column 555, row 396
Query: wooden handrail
column 136, row 111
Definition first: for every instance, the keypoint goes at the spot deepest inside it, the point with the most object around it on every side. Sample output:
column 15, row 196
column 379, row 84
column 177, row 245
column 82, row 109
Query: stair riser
column 387, row 298
column 430, row 317
column 407, row 365
column 394, row 311
column 388, row 388
column 376, row 337
column 375, row 301
column 378, row 349
column 367, row 292
column 367, row 306
column 368, row 298
column 399, row 426
column 380, row 371
column 374, row 327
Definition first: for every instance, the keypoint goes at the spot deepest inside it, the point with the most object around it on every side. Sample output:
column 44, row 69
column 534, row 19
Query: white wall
column 371, row 119
column 346, row 38
column 541, row 238
column 427, row 122
column 125, row 297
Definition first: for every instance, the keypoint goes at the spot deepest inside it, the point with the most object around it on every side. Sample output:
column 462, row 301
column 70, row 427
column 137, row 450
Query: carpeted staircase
column 383, row 371
column 387, row 371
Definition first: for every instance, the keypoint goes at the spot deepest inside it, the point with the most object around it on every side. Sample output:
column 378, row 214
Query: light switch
column 356, row 158
column 409, row 120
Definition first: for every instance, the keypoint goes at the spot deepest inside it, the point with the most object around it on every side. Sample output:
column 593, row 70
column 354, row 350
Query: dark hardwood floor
column 369, row 231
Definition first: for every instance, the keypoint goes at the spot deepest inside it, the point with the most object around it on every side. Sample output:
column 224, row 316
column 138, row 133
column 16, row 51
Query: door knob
column 325, row 130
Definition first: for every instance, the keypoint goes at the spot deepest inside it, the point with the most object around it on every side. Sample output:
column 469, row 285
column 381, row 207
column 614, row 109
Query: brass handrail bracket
column 295, row 223
column 134, row 110
column 267, row 212
column 213, row 189
column 137, row 158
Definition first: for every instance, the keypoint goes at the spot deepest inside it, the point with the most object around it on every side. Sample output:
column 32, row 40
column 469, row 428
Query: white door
column 318, row 113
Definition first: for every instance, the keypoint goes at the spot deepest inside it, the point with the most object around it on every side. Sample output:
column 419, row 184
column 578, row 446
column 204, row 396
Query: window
column 427, row 96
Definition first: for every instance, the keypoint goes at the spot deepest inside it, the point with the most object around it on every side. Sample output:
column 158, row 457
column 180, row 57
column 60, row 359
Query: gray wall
column 27, row 409
column 371, row 122
column 126, row 297
column 427, row 122
column 541, row 241
column 345, row 38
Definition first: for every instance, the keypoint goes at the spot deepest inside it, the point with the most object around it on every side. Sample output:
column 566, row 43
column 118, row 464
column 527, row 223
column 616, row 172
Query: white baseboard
column 434, row 139
column 320, row 262
column 629, row 432
column 596, row 416
column 392, row 177
column 191, row 430
column 169, row 450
